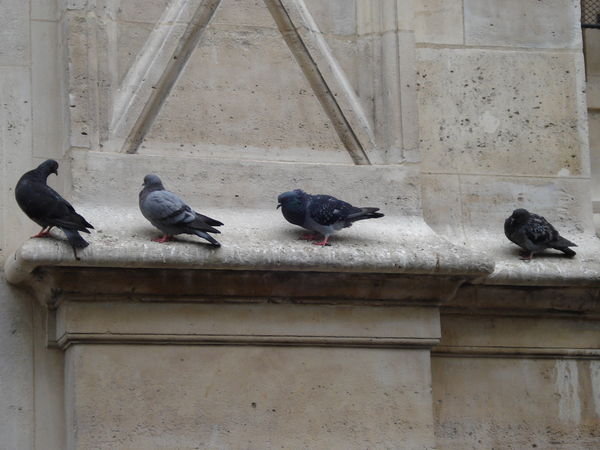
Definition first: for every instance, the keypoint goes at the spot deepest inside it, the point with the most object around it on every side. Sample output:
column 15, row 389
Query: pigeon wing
column 539, row 230
column 45, row 205
column 327, row 210
column 167, row 208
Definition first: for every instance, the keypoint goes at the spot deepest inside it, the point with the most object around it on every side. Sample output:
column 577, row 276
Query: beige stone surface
column 133, row 36
column 15, row 142
column 97, row 64
column 111, row 179
column 523, row 23
column 593, row 91
column 248, row 323
column 48, row 377
column 335, row 17
column 516, row 403
column 48, row 118
column 140, row 10
column 14, row 34
column 488, row 200
column 249, row 397
column 16, row 368
column 439, row 22
column 524, row 332
column 271, row 109
column 45, row 10
column 478, row 117
column 441, row 200
column 255, row 240
column 594, row 124
column 591, row 49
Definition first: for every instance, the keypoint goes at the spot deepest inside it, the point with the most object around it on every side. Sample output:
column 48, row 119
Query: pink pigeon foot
column 43, row 233
column 526, row 256
column 165, row 238
column 322, row 243
column 309, row 237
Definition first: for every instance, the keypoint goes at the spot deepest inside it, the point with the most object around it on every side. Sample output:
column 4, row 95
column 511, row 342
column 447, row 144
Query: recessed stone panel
column 523, row 23
column 439, row 21
column 242, row 94
column 488, row 200
column 515, row 403
column 334, row 17
column 14, row 33
column 500, row 112
column 247, row 397
column 594, row 118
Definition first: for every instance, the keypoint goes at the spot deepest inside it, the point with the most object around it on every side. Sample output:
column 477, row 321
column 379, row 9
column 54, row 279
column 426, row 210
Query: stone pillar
column 244, row 359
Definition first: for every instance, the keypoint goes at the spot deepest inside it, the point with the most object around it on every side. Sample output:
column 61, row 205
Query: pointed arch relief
column 274, row 80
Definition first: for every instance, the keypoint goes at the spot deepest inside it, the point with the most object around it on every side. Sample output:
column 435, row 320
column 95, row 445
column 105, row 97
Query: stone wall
column 447, row 114
column 502, row 113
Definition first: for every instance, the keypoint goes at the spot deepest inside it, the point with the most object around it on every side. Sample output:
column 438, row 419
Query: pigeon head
column 152, row 181
column 520, row 216
column 291, row 199
column 47, row 167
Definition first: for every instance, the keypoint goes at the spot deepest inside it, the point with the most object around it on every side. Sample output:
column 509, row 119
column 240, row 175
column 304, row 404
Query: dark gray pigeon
column 322, row 214
column 534, row 234
column 167, row 212
column 47, row 208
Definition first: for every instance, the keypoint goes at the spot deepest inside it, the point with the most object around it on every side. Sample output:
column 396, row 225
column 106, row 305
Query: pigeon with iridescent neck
column 534, row 234
column 171, row 215
column 47, row 208
column 322, row 214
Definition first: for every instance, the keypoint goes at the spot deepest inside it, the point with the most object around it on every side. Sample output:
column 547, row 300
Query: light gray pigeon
column 167, row 212
column 47, row 208
column 534, row 234
column 322, row 214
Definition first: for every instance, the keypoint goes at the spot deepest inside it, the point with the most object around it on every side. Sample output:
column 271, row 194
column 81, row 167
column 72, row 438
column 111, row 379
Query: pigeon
column 322, row 214
column 47, row 208
column 171, row 215
column 534, row 234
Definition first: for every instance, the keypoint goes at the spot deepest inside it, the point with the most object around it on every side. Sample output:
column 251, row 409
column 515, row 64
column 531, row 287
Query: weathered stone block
column 291, row 397
column 594, row 124
column 488, row 200
column 439, row 22
column 47, row 71
column 478, row 113
column 16, row 370
column 14, row 33
column 516, row 402
column 272, row 109
column 523, row 23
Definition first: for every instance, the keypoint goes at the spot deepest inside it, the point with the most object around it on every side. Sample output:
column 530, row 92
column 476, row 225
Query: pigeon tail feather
column 75, row 238
column 208, row 237
column 208, row 220
column 562, row 242
column 365, row 213
column 566, row 250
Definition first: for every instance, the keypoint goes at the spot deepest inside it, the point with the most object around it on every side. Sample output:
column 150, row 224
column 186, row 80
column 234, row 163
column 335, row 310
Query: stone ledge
column 261, row 241
column 551, row 268
column 254, row 240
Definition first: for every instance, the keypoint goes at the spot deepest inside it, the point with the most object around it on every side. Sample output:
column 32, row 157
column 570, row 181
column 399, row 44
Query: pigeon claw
column 165, row 238
column 43, row 233
column 322, row 243
column 526, row 256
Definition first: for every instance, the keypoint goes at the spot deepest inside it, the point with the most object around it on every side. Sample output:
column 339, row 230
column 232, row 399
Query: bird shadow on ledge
column 547, row 254
column 342, row 238
column 147, row 234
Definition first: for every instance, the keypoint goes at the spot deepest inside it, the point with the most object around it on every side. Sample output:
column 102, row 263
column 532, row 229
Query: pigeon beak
column 55, row 172
column 278, row 206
